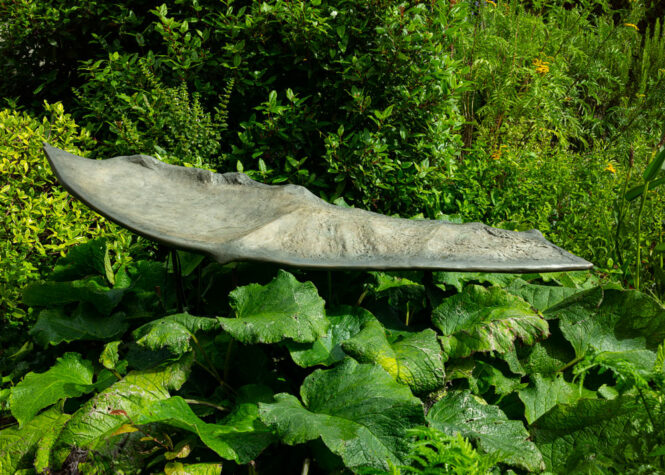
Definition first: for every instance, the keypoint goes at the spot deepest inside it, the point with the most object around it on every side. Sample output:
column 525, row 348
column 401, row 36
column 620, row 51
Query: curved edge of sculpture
column 232, row 218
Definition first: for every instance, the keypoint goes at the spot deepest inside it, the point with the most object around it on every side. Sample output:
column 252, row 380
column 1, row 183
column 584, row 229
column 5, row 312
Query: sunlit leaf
column 543, row 393
column 460, row 279
column 94, row 423
column 174, row 332
column 654, row 166
column 240, row 443
column 541, row 297
column 481, row 319
column 284, row 309
column 358, row 410
column 71, row 376
column 412, row 358
column 462, row 413
column 19, row 447
column 177, row 468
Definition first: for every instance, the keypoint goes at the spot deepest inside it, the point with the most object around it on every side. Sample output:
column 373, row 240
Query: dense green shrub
column 520, row 114
column 42, row 42
column 352, row 99
column 125, row 99
column 356, row 99
column 40, row 220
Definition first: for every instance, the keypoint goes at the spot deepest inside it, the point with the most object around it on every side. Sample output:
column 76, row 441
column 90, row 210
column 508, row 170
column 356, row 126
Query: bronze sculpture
column 231, row 217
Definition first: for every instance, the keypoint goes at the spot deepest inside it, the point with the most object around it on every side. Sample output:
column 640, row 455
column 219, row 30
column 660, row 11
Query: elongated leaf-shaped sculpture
column 231, row 217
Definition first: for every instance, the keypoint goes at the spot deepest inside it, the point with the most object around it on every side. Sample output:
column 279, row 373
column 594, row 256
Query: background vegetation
column 544, row 114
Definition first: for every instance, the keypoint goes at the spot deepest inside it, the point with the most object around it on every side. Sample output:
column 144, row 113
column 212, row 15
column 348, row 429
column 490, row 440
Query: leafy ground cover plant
column 394, row 373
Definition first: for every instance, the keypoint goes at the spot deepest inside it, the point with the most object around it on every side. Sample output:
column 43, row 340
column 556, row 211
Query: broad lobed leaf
column 94, row 423
column 358, row 410
column 240, row 442
column 71, row 376
column 588, row 434
column 19, row 446
column 345, row 322
column 412, row 358
column 460, row 412
column 613, row 325
column 284, row 309
column 486, row 319
column 174, row 332
column 55, row 326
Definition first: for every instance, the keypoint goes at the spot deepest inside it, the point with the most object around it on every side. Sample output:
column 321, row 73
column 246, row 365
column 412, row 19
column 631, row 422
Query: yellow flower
column 610, row 168
column 542, row 67
column 491, row 2
column 631, row 25
column 497, row 153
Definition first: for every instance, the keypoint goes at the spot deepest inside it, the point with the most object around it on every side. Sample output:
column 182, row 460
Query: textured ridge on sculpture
column 232, row 217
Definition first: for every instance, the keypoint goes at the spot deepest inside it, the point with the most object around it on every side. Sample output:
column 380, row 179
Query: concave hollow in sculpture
column 232, row 217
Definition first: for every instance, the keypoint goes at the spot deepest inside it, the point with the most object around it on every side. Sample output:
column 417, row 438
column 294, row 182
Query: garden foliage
column 544, row 114
column 539, row 372
column 40, row 219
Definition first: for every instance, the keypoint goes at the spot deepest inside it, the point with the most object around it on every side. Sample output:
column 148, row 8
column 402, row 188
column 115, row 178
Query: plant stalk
column 638, row 262
column 305, row 466
column 206, row 403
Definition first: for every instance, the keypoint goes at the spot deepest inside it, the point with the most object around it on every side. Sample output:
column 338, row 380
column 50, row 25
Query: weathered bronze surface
column 231, row 217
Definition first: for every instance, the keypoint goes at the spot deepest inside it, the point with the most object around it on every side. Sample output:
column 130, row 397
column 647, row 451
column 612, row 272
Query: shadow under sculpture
column 234, row 218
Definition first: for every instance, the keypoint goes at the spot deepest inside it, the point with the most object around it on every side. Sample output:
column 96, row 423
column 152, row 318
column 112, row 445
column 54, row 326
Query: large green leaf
column 71, row 376
column 358, row 411
column 173, row 332
column 588, row 430
column 462, row 413
column 94, row 422
column 459, row 280
column 55, row 326
column 284, row 309
column 546, row 392
column 91, row 290
column 613, row 326
column 414, row 358
column 240, row 442
column 541, row 297
column 576, row 279
column 19, row 446
column 345, row 322
column 43, row 459
column 90, row 258
column 481, row 319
